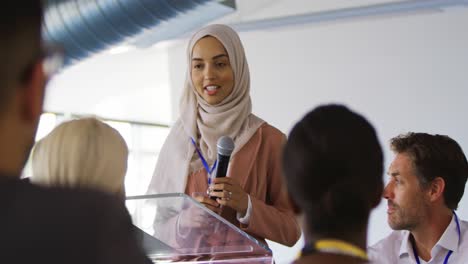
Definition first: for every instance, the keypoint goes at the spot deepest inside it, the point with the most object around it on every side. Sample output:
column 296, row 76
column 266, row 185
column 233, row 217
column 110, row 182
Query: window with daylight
column 144, row 141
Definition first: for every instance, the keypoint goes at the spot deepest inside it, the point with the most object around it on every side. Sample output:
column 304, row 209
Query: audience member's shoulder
column 393, row 239
column 62, row 198
column 95, row 224
column 464, row 231
column 388, row 246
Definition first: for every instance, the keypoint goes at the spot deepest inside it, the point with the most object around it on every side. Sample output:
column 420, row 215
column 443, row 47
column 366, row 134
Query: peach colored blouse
column 257, row 166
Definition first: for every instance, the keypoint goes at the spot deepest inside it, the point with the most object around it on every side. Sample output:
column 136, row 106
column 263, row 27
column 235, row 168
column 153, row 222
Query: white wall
column 131, row 86
column 404, row 73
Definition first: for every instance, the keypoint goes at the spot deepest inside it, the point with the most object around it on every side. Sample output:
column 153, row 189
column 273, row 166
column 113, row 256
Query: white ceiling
column 261, row 9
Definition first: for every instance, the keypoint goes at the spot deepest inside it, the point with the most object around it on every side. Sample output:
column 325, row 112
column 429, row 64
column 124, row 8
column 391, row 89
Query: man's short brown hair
column 436, row 156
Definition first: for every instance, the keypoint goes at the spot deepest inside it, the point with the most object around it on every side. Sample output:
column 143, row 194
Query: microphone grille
column 225, row 145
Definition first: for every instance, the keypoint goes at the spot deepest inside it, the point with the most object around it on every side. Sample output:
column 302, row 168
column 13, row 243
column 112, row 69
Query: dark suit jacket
column 58, row 225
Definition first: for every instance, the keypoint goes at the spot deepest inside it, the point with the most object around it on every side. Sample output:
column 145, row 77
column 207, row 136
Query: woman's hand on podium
column 205, row 200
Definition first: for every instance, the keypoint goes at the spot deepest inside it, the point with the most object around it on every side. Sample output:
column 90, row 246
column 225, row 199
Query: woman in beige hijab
column 216, row 102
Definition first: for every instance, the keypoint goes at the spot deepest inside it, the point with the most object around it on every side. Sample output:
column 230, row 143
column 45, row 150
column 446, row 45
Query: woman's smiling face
column 211, row 70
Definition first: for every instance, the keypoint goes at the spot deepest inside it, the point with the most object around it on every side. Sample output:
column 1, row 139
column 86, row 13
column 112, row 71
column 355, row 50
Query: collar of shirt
column 448, row 240
column 405, row 247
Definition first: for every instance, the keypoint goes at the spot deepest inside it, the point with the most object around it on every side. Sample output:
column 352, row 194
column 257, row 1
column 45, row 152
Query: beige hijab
column 205, row 123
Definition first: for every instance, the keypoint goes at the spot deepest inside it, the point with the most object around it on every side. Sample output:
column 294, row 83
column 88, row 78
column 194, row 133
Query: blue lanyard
column 450, row 251
column 205, row 164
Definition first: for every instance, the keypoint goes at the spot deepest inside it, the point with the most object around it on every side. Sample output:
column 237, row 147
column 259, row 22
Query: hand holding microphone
column 226, row 190
column 225, row 146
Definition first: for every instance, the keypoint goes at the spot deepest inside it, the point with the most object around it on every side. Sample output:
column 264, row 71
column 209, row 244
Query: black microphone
column 225, row 147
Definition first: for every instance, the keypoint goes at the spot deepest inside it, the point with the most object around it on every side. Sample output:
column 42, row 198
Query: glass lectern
column 176, row 228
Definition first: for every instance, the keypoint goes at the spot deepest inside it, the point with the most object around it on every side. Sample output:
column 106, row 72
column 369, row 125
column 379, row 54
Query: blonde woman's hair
column 81, row 153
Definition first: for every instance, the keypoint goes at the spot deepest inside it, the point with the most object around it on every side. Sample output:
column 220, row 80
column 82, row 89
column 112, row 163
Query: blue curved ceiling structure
column 86, row 27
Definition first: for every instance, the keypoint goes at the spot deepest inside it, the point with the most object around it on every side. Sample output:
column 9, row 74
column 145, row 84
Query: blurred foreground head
column 333, row 165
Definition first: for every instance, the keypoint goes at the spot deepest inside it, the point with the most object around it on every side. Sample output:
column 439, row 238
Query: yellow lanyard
column 340, row 247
